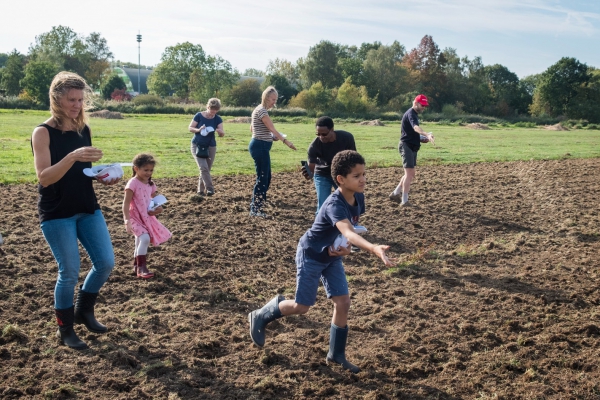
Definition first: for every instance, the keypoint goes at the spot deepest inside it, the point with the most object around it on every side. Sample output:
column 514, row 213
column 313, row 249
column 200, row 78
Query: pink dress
column 141, row 222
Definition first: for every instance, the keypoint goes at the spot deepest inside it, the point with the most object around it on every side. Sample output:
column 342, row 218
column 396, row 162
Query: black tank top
column 74, row 192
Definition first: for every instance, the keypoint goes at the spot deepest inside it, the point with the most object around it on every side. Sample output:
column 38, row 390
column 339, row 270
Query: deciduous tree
column 37, row 80
column 12, row 73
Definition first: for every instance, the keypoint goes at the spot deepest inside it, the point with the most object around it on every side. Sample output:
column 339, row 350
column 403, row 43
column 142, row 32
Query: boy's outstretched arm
column 345, row 227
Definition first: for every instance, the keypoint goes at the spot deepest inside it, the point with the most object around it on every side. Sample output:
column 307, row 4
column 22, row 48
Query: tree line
column 332, row 78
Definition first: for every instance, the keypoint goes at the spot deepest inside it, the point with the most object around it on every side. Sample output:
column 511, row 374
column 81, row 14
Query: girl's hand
column 379, row 250
column 156, row 211
column 342, row 251
column 128, row 227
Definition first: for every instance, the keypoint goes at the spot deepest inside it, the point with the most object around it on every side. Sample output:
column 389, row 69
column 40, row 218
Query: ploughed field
column 496, row 294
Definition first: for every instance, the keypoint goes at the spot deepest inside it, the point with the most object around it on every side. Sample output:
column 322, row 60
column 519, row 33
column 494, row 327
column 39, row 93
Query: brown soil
column 556, row 127
column 497, row 294
column 477, row 125
column 375, row 122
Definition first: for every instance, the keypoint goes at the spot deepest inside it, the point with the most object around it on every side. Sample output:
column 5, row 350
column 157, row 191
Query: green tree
column 285, row 68
column 317, row 98
column 245, row 93
column 285, row 90
column 253, row 72
column 213, row 79
column 558, row 88
column 37, row 80
column 108, row 87
column 355, row 100
column 172, row 75
column 507, row 95
column 3, row 59
column 67, row 50
column 384, row 75
column 13, row 73
column 321, row 65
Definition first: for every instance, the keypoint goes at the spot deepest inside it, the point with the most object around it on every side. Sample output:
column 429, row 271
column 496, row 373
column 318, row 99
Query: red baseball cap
column 421, row 99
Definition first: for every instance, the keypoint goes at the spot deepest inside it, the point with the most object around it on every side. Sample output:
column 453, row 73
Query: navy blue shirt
column 208, row 140
column 408, row 133
column 323, row 232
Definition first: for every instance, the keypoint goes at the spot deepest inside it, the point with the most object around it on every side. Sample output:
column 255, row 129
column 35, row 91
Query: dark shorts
column 409, row 157
column 308, row 274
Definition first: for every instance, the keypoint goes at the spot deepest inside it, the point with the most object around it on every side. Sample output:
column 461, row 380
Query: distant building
column 130, row 77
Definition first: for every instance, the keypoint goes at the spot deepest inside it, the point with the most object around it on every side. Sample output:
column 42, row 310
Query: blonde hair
column 213, row 104
column 60, row 86
column 266, row 93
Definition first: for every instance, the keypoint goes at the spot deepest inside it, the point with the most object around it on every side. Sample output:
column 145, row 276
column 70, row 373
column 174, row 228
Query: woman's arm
column 48, row 174
column 126, row 203
column 194, row 128
column 220, row 130
column 278, row 136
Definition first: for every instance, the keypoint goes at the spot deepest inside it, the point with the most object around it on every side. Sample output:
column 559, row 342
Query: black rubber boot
column 84, row 311
column 65, row 332
column 337, row 348
column 260, row 318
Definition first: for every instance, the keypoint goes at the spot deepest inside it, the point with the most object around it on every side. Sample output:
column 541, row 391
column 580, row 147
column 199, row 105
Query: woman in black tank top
column 68, row 210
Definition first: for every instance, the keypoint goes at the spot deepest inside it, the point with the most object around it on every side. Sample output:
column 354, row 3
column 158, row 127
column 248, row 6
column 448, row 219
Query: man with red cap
column 410, row 141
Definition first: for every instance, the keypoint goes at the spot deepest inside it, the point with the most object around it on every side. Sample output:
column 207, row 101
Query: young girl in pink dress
column 139, row 192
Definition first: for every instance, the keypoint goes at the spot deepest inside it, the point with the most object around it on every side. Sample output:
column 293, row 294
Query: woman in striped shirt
column 263, row 135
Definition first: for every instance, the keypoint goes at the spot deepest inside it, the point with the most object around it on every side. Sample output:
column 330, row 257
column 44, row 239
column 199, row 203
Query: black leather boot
column 84, row 311
column 337, row 348
column 65, row 332
column 260, row 318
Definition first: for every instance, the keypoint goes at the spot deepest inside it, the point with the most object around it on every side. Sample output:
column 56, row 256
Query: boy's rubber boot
column 65, row 318
column 142, row 270
column 260, row 318
column 84, row 311
column 337, row 348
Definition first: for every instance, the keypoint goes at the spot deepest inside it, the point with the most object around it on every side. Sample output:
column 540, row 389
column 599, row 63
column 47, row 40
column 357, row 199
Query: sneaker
column 259, row 214
column 406, row 204
column 355, row 249
column 210, row 192
column 396, row 197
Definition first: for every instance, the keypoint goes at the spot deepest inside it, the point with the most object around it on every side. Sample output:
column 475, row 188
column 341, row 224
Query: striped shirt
column 259, row 129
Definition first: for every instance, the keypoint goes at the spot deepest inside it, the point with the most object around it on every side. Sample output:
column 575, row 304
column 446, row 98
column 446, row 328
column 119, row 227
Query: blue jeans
column 260, row 152
column 323, row 184
column 62, row 236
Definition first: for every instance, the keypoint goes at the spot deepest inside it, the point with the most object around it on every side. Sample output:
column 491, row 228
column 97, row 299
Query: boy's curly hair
column 344, row 161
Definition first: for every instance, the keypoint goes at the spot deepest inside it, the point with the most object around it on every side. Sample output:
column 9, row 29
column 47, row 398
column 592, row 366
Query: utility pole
column 139, row 40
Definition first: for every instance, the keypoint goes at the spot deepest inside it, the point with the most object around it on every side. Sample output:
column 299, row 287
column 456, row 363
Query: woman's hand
column 86, row 154
column 156, row 211
column 289, row 144
column 109, row 182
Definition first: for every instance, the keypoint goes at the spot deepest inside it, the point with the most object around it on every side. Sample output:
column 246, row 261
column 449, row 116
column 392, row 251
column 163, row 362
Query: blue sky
column 526, row 36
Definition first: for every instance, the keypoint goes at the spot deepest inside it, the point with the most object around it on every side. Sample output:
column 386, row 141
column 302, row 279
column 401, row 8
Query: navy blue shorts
column 308, row 274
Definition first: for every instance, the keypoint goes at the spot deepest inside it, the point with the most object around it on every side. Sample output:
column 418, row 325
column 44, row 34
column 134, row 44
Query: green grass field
column 167, row 137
